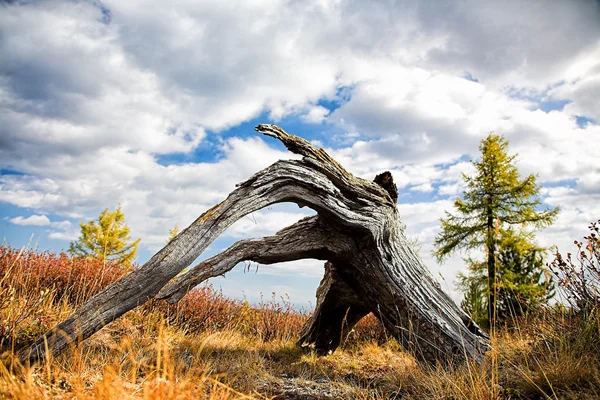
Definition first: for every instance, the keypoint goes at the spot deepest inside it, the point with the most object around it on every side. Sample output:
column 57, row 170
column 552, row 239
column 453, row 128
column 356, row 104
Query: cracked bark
column 358, row 230
column 338, row 309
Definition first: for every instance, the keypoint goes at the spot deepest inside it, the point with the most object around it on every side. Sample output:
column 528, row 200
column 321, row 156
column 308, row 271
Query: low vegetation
column 208, row 346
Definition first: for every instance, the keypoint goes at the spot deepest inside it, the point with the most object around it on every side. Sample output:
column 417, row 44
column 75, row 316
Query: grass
column 209, row 346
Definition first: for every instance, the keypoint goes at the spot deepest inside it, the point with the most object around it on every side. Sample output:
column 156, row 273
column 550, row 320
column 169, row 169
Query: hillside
column 208, row 346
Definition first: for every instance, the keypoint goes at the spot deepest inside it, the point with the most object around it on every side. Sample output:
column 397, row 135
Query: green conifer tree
column 474, row 299
column 522, row 280
column 106, row 239
column 494, row 200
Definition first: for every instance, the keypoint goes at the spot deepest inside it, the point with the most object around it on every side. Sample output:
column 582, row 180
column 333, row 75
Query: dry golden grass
column 216, row 348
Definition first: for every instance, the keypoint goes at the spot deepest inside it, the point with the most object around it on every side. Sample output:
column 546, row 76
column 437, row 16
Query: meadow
column 208, row 346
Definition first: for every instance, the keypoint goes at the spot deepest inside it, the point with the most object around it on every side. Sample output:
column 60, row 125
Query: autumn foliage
column 34, row 285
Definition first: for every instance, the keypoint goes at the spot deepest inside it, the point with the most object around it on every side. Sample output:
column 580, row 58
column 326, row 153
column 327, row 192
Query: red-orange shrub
column 75, row 278
column 36, row 277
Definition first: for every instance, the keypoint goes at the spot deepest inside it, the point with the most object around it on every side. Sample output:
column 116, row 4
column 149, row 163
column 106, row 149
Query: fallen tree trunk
column 371, row 265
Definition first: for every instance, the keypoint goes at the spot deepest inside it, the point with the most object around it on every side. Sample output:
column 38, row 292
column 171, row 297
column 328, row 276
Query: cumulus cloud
column 64, row 235
column 315, row 114
column 510, row 43
column 424, row 188
column 265, row 223
column 33, row 220
column 304, row 268
column 581, row 87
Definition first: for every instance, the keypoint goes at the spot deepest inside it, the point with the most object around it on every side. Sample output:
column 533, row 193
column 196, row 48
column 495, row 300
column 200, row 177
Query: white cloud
column 265, row 223
column 454, row 189
column 64, row 230
column 305, row 268
column 423, row 188
column 155, row 80
column 315, row 114
column 578, row 210
column 62, row 235
column 582, row 86
column 509, row 44
column 33, row 220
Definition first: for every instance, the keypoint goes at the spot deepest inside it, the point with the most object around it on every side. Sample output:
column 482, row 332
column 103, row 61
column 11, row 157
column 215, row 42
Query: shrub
column 579, row 279
column 33, row 284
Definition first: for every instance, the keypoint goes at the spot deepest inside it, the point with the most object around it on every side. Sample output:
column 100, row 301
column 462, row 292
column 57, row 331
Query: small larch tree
column 173, row 233
column 495, row 199
column 106, row 238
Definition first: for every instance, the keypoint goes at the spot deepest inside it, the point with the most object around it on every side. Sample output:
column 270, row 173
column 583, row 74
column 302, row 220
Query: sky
column 151, row 106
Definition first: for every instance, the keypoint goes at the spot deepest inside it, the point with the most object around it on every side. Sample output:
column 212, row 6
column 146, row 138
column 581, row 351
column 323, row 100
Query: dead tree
column 371, row 267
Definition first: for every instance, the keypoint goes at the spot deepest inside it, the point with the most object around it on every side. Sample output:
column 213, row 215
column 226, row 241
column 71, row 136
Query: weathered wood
column 338, row 309
column 358, row 229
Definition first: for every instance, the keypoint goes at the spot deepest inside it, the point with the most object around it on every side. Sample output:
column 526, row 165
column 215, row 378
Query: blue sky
column 152, row 106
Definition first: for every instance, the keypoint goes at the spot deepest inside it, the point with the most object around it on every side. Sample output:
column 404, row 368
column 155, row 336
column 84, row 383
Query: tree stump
column 371, row 266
